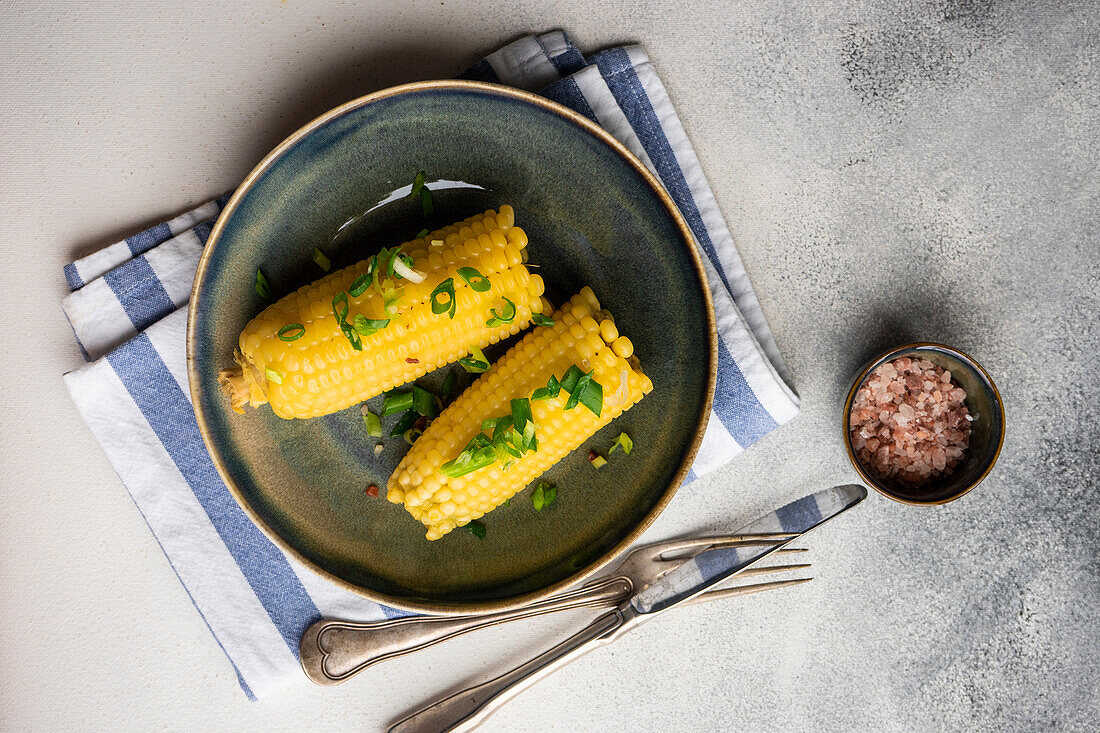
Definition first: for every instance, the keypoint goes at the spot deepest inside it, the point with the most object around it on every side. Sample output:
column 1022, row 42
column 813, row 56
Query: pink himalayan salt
column 909, row 422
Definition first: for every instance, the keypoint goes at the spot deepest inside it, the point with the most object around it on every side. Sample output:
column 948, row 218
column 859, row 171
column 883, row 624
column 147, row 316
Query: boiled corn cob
column 582, row 335
column 320, row 372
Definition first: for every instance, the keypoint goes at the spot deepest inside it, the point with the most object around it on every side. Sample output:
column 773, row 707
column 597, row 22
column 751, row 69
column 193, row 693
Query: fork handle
column 469, row 708
column 332, row 651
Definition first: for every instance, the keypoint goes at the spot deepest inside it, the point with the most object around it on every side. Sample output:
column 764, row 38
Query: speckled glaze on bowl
column 987, row 431
column 595, row 217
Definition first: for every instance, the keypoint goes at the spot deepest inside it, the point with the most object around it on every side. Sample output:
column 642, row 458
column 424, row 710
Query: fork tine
column 749, row 572
column 744, row 590
column 698, row 544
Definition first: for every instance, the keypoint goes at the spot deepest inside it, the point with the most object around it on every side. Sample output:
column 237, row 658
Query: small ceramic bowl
column 987, row 431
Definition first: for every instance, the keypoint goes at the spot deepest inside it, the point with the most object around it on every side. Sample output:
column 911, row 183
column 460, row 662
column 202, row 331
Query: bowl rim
column 688, row 241
column 861, row 376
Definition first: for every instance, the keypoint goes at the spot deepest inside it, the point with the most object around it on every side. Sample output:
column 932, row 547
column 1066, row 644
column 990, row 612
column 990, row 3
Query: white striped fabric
column 126, row 311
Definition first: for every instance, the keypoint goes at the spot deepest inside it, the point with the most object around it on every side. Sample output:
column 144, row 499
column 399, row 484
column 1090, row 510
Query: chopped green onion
column 469, row 461
column 475, row 363
column 322, row 261
column 449, row 384
column 521, row 413
column 624, row 442
column 421, row 234
column 367, row 326
column 352, row 336
column 540, row 320
column 525, row 440
column 407, row 420
column 583, row 390
column 592, row 397
column 447, row 287
column 412, row 434
column 418, row 183
column 360, row 284
column 396, row 402
column 499, row 319
column 569, row 379
column 477, row 529
column 401, row 265
column 263, row 288
column 477, row 282
column 426, row 202
column 292, row 332
column 390, row 299
column 578, row 390
column 543, row 496
column 372, row 423
column 423, row 401
column 273, row 376
column 340, row 306
column 551, row 390
column 372, row 265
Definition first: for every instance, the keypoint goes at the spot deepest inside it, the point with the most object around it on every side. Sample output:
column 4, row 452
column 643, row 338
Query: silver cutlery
column 467, row 709
column 332, row 651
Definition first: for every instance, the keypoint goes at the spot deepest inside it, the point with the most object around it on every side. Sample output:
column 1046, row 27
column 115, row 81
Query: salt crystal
column 910, row 421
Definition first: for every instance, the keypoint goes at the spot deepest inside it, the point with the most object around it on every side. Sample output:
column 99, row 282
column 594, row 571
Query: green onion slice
column 423, row 401
column 449, row 384
column 521, row 414
column 396, row 402
column 592, row 397
column 624, row 442
column 476, row 362
column 426, row 201
column 540, row 320
column 368, row 326
column 447, row 287
column 340, row 306
column 273, row 376
column 360, row 284
column 322, row 260
column 352, row 336
column 401, row 266
column 263, row 287
column 570, row 378
column 543, row 496
column 292, row 332
column 421, row 234
column 551, row 390
column 373, row 424
column 390, row 299
column 404, row 423
column 498, row 319
column 578, row 389
column 477, row 529
column 477, row 282
column 418, row 183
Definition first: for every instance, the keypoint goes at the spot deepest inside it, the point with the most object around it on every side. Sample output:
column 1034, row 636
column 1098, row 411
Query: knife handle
column 469, row 708
column 332, row 651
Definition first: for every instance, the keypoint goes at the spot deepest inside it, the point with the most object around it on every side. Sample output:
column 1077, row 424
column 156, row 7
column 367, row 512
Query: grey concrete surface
column 891, row 171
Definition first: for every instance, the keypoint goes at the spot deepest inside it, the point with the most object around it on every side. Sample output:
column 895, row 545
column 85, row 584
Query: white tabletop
column 888, row 174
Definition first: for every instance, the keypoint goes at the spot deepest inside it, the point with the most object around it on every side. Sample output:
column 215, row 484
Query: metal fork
column 332, row 651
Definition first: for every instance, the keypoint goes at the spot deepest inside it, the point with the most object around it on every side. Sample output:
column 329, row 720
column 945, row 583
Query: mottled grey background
column 891, row 171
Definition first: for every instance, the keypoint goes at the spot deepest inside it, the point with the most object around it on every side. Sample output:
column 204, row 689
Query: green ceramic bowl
column 987, row 431
column 595, row 217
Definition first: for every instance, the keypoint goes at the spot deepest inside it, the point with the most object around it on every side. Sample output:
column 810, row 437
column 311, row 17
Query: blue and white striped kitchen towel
column 126, row 310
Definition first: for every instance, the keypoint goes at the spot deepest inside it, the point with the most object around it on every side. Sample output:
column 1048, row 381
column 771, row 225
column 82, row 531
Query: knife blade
column 713, row 566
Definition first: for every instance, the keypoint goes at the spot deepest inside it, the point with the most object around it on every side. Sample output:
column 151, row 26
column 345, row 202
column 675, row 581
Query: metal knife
column 469, row 708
